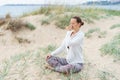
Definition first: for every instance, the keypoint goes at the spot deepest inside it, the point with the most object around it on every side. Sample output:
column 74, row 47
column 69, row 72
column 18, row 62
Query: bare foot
column 49, row 67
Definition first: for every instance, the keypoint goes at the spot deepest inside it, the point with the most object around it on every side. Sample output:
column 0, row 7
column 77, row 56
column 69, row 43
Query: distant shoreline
column 24, row 5
column 17, row 10
column 61, row 4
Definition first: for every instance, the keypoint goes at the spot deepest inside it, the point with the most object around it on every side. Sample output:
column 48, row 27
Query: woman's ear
column 79, row 24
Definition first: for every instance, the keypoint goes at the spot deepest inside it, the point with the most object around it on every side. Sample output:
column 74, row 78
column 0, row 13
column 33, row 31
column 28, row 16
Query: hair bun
column 82, row 23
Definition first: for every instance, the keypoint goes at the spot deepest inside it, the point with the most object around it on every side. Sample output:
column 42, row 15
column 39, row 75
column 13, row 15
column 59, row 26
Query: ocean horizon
column 16, row 10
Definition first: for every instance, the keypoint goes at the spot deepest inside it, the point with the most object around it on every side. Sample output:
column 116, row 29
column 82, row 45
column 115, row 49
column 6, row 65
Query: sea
column 18, row 10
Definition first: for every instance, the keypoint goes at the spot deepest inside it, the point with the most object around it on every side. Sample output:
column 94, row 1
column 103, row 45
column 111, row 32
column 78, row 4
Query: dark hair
column 78, row 19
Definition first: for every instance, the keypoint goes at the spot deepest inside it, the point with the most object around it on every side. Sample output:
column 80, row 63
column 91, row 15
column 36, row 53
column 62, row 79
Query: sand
column 44, row 35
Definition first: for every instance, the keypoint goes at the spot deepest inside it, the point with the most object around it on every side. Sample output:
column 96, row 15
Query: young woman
column 72, row 45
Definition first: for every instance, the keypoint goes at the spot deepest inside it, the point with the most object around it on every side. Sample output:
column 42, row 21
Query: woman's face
column 74, row 25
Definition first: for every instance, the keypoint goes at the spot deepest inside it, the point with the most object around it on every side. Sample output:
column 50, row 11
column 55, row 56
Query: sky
column 2, row 2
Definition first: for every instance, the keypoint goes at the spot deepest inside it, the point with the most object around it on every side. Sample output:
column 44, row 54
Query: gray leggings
column 61, row 65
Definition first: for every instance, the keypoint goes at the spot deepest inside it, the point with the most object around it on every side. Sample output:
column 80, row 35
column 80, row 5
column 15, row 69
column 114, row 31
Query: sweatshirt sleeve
column 59, row 49
column 76, row 40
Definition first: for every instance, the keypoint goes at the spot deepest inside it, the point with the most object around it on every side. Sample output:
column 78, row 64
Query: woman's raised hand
column 69, row 28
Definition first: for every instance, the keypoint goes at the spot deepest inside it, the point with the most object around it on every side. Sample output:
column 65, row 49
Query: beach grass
column 106, row 75
column 112, row 47
column 31, row 65
column 45, row 21
column 49, row 48
column 100, row 34
column 62, row 14
column 30, row 26
column 115, row 26
column 63, row 21
column 88, row 34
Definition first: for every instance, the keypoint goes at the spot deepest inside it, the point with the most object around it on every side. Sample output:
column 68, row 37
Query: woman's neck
column 75, row 31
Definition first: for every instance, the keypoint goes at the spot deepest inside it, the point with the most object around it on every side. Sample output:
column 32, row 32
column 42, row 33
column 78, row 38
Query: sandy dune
column 44, row 35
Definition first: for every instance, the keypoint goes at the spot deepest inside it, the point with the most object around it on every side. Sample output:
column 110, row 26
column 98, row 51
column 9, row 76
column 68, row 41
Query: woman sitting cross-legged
column 72, row 45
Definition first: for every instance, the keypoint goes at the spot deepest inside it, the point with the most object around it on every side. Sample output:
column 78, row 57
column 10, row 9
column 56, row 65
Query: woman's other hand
column 48, row 57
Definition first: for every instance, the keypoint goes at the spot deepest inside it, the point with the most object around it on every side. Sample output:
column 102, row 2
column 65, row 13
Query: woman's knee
column 70, row 68
column 77, row 68
column 64, row 69
column 52, row 61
